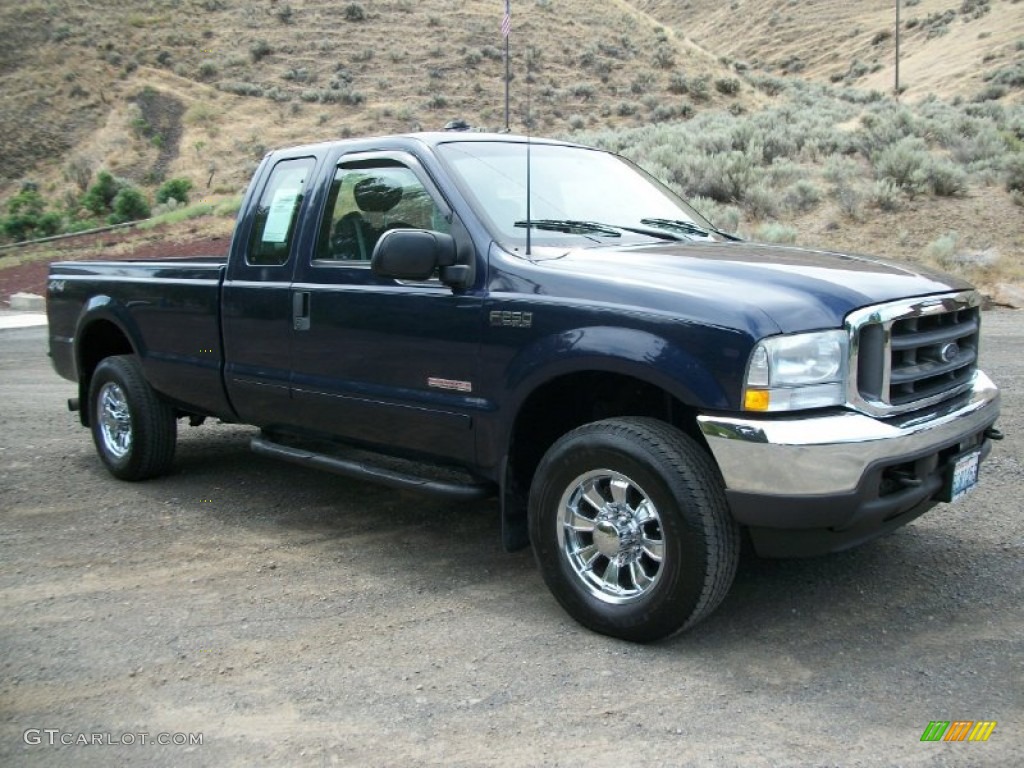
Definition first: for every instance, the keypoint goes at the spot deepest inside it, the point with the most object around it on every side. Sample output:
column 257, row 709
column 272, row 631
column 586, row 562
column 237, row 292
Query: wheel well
column 570, row 401
column 100, row 339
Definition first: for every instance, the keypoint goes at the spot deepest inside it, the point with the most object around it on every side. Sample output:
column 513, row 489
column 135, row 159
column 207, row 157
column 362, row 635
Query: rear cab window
column 273, row 229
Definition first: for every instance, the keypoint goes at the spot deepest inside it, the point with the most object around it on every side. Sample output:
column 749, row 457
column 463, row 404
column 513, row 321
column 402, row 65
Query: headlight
column 791, row 373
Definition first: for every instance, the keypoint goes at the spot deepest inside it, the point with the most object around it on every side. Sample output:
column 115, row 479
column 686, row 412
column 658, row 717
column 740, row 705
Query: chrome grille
column 911, row 354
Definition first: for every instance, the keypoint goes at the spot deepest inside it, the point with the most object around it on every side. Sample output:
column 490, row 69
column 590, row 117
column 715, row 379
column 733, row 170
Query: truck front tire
column 631, row 529
column 134, row 430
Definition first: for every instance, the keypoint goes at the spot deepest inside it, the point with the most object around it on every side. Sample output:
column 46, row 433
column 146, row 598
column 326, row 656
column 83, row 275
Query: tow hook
column 994, row 434
column 73, row 404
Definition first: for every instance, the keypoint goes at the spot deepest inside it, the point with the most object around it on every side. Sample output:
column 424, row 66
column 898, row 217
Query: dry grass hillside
column 202, row 87
column 949, row 48
column 776, row 115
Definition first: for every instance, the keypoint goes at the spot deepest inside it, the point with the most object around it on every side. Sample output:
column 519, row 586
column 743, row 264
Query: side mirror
column 414, row 254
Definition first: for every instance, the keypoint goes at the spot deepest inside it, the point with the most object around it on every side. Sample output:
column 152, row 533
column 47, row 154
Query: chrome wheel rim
column 611, row 535
column 115, row 420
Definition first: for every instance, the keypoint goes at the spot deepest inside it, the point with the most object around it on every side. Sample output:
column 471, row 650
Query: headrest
column 376, row 195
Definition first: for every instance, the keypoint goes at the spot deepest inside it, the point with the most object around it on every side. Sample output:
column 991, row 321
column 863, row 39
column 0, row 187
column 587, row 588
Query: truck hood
column 797, row 288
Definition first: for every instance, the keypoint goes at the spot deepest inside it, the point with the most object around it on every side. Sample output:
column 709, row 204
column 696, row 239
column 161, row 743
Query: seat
column 350, row 237
column 354, row 236
column 375, row 195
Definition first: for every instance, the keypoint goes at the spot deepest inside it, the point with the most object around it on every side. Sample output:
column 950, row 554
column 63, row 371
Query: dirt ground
column 296, row 618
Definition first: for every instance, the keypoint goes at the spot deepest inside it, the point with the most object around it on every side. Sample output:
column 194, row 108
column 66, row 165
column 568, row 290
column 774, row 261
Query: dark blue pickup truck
column 485, row 315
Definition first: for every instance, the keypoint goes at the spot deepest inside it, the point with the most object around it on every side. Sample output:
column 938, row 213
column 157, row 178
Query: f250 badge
column 506, row 319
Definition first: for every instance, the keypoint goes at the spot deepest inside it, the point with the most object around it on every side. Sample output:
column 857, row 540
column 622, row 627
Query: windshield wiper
column 579, row 227
column 571, row 227
column 688, row 227
column 677, row 224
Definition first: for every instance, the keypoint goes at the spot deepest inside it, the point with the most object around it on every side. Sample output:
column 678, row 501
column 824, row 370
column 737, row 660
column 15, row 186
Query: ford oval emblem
column 950, row 352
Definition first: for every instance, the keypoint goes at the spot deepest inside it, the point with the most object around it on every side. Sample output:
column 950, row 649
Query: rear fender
column 104, row 328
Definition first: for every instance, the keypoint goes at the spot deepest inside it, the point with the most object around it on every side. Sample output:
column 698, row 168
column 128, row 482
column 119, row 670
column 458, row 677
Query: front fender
column 702, row 377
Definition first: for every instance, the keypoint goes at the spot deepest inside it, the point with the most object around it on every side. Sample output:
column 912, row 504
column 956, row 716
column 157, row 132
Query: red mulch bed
column 30, row 277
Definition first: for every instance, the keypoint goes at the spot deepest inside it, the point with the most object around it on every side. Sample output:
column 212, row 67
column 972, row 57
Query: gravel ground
column 295, row 618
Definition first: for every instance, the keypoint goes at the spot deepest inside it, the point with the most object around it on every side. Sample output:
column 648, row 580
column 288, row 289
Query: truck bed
column 169, row 309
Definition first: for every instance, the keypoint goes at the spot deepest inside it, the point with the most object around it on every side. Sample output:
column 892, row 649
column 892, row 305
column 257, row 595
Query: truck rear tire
column 631, row 528
column 134, row 430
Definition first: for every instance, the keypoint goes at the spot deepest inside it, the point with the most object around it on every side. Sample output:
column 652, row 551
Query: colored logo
column 958, row 730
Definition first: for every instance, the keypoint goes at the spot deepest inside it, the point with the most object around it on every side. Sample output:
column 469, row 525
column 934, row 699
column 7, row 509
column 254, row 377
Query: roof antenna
column 529, row 120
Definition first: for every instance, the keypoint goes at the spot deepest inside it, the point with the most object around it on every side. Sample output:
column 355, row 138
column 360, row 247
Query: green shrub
column 1015, row 173
column 664, row 58
column 664, row 112
column 729, row 86
column 886, row 196
column 902, row 162
column 724, row 217
column 207, row 69
column 299, row 75
column 802, row 196
column 27, row 217
column 129, row 205
column 174, row 189
column 678, row 84
column 991, row 92
column 259, row 50
column 699, row 88
column 774, row 232
column 583, row 91
column 849, row 199
column 641, row 83
column 770, row 84
column 980, row 145
column 240, row 88
column 944, row 179
column 943, row 249
column 975, row 9
column 1012, row 76
column 760, row 201
column 355, row 12
column 724, row 177
column 99, row 198
column 840, row 170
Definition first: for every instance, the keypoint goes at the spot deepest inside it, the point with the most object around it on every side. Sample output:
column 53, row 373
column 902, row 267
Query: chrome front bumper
column 808, row 485
column 826, row 455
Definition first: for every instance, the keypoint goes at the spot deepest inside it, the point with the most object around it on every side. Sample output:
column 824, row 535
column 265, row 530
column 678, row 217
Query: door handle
column 300, row 310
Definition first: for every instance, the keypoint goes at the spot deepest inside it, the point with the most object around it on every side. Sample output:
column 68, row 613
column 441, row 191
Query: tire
column 134, row 430
column 631, row 529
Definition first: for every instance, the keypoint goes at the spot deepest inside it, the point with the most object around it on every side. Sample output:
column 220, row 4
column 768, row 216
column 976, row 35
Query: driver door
column 377, row 360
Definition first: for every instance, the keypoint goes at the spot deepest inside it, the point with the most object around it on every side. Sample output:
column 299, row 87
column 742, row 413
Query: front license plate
column 964, row 476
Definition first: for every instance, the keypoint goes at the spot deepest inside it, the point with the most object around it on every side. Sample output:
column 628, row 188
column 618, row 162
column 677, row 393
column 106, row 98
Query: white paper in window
column 279, row 218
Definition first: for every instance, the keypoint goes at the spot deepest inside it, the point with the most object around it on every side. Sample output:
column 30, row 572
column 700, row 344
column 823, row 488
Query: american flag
column 506, row 20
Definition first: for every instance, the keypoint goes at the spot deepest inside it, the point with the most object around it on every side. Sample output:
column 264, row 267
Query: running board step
column 468, row 491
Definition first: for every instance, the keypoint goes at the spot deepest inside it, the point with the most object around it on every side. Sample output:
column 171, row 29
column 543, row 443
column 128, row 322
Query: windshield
column 578, row 196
